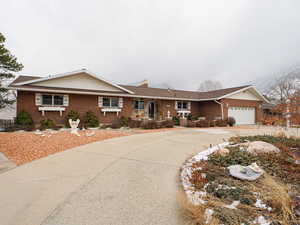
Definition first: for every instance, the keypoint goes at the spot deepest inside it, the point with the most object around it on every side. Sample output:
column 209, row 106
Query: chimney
column 144, row 83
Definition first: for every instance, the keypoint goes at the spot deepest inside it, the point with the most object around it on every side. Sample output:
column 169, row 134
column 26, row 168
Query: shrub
column 116, row 124
column 176, row 120
column 24, row 119
column 134, row 123
column 90, row 119
column 74, row 115
column 125, row 121
column 149, row 124
column 221, row 123
column 168, row 123
column 231, row 121
column 47, row 124
column 191, row 123
column 203, row 123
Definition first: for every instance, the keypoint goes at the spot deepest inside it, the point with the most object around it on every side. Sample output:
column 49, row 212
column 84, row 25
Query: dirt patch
column 23, row 147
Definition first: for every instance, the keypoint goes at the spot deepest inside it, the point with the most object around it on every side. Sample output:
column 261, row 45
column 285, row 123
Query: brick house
column 52, row 97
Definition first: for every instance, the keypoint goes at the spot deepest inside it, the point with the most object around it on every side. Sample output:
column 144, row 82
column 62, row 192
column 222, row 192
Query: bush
column 231, row 121
column 149, row 124
column 74, row 115
column 191, row 123
column 134, row 123
column 203, row 123
column 47, row 124
column 125, row 121
column 91, row 120
column 176, row 120
column 24, row 119
column 221, row 123
column 116, row 124
column 168, row 123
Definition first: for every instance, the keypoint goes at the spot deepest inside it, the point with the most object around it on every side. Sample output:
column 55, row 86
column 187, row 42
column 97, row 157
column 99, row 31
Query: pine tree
column 8, row 64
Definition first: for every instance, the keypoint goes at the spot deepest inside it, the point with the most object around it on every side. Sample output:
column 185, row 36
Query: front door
column 151, row 110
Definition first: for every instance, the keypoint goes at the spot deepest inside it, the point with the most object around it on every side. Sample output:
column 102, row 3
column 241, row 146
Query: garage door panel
column 242, row 115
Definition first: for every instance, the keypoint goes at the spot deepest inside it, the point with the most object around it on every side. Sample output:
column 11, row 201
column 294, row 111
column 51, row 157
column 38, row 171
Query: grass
column 281, row 177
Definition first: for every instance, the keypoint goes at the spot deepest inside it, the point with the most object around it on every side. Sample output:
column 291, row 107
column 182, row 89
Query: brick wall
column 84, row 103
column 243, row 103
column 209, row 109
column 80, row 103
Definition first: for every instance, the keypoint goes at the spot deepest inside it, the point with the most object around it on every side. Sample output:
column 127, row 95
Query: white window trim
column 52, row 105
column 51, row 108
column 114, row 109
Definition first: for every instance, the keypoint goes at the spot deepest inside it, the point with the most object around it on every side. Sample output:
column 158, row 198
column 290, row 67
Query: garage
column 242, row 115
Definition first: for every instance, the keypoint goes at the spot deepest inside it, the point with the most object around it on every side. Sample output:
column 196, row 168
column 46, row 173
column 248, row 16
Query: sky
column 179, row 43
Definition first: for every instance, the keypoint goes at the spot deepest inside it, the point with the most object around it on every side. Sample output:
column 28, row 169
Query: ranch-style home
column 54, row 96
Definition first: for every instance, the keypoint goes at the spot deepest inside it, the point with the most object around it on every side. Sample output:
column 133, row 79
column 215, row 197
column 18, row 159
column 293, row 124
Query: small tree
column 74, row 115
column 8, row 64
column 91, row 120
column 210, row 85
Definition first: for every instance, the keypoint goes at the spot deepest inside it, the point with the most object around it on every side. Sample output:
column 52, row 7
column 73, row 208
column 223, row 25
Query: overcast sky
column 166, row 41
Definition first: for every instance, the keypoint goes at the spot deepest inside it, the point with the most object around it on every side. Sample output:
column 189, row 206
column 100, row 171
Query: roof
column 171, row 93
column 135, row 91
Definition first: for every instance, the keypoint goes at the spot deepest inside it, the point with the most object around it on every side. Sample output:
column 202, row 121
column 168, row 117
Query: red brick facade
column 243, row 103
column 84, row 103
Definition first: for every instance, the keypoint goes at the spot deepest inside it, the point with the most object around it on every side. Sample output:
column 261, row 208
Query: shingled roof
column 143, row 91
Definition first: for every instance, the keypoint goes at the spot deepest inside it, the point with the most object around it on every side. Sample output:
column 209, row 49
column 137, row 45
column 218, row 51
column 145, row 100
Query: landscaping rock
column 257, row 147
column 244, row 172
column 222, row 152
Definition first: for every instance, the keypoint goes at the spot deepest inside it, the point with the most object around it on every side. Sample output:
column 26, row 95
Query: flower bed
column 214, row 196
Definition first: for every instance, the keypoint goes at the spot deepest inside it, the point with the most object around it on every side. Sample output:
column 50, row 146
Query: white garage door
column 242, row 115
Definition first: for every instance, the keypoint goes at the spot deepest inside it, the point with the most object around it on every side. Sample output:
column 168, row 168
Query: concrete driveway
column 128, row 180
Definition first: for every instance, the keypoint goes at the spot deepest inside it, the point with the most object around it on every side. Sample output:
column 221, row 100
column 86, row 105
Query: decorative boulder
column 251, row 172
column 222, row 152
column 257, row 147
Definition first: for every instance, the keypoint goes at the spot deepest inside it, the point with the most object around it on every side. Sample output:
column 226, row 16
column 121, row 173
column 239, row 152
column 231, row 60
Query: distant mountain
column 266, row 84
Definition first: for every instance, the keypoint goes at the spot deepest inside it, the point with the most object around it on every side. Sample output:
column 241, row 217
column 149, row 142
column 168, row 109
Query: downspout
column 222, row 113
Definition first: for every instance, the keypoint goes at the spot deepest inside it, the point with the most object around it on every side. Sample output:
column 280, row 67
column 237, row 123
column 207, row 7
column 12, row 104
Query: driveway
column 127, row 180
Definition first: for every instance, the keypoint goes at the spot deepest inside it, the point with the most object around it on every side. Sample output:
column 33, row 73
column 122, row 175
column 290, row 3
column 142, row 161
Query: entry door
column 242, row 115
column 151, row 110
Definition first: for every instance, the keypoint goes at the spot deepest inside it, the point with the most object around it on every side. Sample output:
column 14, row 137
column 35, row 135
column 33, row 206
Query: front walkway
column 126, row 180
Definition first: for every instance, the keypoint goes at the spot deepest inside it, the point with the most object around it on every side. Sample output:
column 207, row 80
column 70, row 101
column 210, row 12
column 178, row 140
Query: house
column 54, row 96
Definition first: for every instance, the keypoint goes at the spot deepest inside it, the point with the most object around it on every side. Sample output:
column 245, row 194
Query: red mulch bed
column 23, row 147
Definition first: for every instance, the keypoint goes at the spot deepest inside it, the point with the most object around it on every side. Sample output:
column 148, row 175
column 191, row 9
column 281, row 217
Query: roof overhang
column 245, row 89
column 101, row 93
column 73, row 73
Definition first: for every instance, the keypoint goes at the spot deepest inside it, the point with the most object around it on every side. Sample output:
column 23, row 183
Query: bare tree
column 285, row 87
column 210, row 85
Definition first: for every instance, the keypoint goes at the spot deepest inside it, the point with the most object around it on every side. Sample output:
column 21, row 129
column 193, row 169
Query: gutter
column 222, row 111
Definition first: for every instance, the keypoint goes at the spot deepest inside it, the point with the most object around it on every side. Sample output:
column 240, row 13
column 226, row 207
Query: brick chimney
column 144, row 83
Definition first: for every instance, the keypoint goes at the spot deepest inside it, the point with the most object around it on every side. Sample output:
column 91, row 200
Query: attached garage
column 242, row 115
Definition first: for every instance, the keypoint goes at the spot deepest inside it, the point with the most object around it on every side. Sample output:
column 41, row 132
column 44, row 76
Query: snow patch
column 195, row 197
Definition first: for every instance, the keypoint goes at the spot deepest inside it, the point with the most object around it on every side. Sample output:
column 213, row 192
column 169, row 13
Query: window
column 139, row 104
column 57, row 100
column 110, row 102
column 182, row 105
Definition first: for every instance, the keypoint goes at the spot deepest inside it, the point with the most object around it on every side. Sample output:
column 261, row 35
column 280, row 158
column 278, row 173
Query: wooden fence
column 6, row 123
